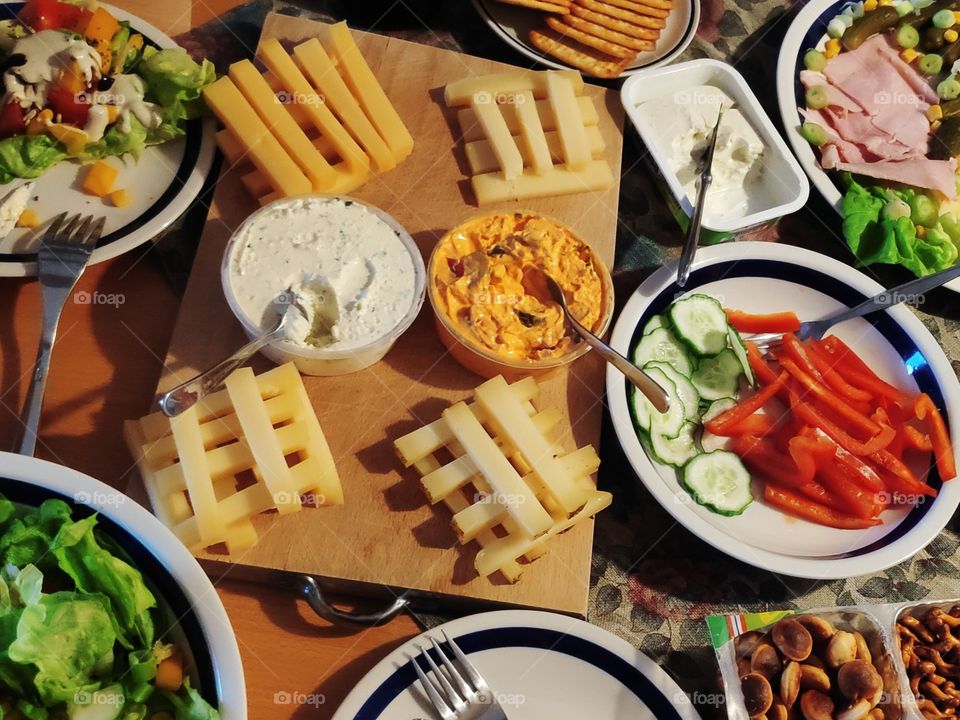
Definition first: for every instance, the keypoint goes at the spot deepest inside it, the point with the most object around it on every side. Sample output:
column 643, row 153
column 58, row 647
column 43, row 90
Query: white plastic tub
column 784, row 187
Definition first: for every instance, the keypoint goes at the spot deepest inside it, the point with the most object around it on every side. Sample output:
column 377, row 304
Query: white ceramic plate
column 539, row 665
column 164, row 561
column 164, row 182
column 764, row 278
column 513, row 25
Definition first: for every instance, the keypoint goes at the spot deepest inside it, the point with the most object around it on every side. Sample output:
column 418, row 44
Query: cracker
column 560, row 7
column 641, row 7
column 607, row 34
column 584, row 38
column 572, row 53
column 619, row 13
column 615, row 24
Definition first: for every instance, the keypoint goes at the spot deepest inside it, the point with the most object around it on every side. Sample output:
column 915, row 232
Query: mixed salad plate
column 104, row 614
column 96, row 92
column 868, row 92
column 790, row 463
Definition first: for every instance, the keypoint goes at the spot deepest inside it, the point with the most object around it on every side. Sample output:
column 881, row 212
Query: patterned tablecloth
column 653, row 582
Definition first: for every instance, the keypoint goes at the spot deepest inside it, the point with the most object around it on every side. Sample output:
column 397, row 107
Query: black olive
column 497, row 251
column 104, row 83
column 526, row 319
column 15, row 60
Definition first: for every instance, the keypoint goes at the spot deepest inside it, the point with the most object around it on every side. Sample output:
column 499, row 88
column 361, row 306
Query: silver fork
column 911, row 290
column 64, row 251
column 471, row 700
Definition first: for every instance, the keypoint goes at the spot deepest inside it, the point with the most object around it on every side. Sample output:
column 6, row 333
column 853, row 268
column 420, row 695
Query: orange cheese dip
column 482, row 281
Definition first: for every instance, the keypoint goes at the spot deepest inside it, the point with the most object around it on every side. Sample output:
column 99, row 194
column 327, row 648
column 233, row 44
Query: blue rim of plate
column 154, row 572
column 685, row 39
column 193, row 139
column 539, row 638
column 911, row 355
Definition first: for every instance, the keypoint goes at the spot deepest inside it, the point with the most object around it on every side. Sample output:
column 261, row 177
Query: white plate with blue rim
column 809, row 30
column 188, row 603
column 771, row 277
column 163, row 183
column 538, row 665
column 512, row 24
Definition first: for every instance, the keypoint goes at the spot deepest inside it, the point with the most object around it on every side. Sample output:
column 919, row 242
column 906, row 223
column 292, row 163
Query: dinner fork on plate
column 816, row 329
column 64, row 251
column 471, row 700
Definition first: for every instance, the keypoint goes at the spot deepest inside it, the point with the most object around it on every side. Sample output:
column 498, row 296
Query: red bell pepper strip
column 811, row 416
column 725, row 423
column 11, row 119
column 859, row 471
column 761, row 368
column 831, row 400
column 756, row 424
column 856, row 372
column 795, row 350
column 899, row 477
column 924, row 409
column 745, row 322
column 762, row 456
column 822, row 361
column 812, row 511
column 916, row 440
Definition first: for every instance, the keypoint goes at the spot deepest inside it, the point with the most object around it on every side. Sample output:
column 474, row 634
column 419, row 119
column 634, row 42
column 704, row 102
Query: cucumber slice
column 685, row 389
column 640, row 409
column 700, row 323
column 718, row 377
column 719, row 482
column 740, row 350
column 655, row 322
column 669, row 423
column 674, row 451
column 662, row 346
column 708, row 441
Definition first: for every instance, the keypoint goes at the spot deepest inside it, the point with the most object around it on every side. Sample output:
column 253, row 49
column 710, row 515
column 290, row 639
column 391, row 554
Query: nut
column 792, row 639
column 858, row 680
column 765, row 661
column 790, row 683
column 841, row 649
column 814, row 678
column 746, row 642
column 757, row 694
column 816, row 706
column 820, row 630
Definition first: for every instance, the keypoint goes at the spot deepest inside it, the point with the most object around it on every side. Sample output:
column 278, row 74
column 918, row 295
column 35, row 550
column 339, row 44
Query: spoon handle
column 643, row 382
column 186, row 394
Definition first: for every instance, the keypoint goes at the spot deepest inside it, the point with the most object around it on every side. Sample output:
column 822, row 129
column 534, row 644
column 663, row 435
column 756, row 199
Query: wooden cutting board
column 386, row 534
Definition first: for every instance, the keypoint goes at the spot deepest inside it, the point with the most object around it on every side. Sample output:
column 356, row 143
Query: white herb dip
column 345, row 266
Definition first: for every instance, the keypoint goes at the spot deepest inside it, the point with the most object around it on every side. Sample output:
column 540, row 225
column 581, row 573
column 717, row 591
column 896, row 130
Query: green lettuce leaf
column 188, row 704
column 64, row 637
column 28, row 156
column 138, row 680
column 94, row 569
column 175, row 82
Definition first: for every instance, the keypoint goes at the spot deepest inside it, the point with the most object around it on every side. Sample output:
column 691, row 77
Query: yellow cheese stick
column 281, row 124
column 490, row 117
column 559, row 180
column 534, row 139
column 461, row 92
column 196, row 476
column 573, row 138
column 265, row 151
column 361, row 80
column 316, row 64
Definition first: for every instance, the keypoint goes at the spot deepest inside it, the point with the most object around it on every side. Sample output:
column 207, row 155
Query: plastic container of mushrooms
column 878, row 662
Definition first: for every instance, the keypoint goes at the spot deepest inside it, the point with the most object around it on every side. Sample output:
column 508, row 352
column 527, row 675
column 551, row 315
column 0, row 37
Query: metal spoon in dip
column 185, row 395
column 643, row 382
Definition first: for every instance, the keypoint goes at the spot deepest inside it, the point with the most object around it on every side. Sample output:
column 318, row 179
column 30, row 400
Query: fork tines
column 449, row 702
column 82, row 230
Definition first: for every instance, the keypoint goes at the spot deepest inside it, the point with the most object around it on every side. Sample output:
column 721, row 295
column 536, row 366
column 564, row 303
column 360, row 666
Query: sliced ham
column 836, row 97
column 918, row 172
column 906, row 71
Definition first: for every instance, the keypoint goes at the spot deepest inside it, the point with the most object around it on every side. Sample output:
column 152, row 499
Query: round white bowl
column 328, row 360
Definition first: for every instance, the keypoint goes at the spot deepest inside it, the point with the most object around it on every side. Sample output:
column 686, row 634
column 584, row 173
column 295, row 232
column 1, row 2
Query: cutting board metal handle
column 315, row 597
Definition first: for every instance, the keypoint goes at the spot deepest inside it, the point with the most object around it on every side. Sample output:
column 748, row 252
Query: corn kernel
column 832, row 48
column 886, row 2
column 909, row 55
column 869, row 5
column 934, row 113
column 120, row 198
column 28, row 219
column 956, row 16
column 950, row 35
column 934, row 126
column 921, row 231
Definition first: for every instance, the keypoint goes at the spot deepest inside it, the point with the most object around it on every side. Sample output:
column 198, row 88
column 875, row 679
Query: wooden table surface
column 105, row 367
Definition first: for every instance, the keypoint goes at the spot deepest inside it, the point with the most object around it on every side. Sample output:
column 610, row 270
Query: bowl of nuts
column 831, row 665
